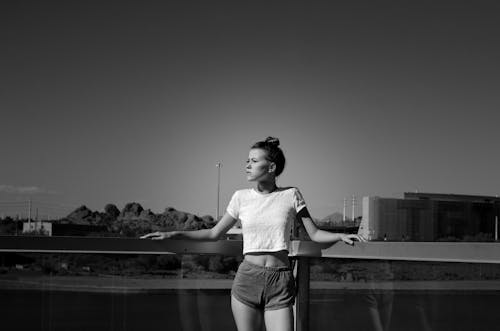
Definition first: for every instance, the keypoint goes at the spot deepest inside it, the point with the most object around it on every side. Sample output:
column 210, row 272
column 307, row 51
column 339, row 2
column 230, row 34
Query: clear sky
column 114, row 102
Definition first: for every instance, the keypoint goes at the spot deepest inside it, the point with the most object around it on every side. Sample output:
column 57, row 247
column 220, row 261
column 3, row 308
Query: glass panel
column 192, row 292
column 41, row 291
column 403, row 295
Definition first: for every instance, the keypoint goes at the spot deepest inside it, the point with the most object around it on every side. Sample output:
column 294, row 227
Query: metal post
column 301, row 308
column 343, row 213
column 218, row 165
column 353, row 204
column 29, row 215
column 496, row 228
column 301, row 274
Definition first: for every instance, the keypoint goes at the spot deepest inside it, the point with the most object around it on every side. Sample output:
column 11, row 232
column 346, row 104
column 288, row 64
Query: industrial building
column 430, row 217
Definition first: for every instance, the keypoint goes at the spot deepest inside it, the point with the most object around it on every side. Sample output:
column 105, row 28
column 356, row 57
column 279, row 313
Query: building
column 430, row 217
column 38, row 227
column 61, row 229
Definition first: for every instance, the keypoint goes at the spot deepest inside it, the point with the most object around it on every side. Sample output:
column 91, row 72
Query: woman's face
column 258, row 167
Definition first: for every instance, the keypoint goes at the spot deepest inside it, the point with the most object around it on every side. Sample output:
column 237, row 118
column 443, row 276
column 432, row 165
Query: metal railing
column 301, row 251
column 473, row 252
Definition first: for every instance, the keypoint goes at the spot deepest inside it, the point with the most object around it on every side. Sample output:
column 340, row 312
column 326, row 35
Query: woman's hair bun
column 273, row 141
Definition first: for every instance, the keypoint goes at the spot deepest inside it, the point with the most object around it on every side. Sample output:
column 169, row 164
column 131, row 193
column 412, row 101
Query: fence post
column 301, row 273
column 302, row 298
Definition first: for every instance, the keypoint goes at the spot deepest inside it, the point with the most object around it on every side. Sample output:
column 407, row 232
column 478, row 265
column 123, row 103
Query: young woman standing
column 263, row 290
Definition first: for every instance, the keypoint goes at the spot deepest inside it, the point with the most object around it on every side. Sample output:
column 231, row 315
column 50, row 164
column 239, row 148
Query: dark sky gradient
column 126, row 101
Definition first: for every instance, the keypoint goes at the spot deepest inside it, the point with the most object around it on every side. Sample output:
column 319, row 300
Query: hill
column 133, row 219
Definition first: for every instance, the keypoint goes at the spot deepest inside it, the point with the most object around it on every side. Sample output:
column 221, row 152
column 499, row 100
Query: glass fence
column 127, row 284
column 58, row 291
column 403, row 295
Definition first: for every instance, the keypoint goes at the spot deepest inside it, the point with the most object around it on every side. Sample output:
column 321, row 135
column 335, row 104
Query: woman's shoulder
column 242, row 192
column 293, row 192
column 290, row 192
column 250, row 192
column 290, row 189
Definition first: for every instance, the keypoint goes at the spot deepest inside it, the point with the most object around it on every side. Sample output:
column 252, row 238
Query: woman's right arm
column 215, row 233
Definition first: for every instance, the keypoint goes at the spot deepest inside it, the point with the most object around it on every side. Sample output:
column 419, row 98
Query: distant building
column 38, row 226
column 61, row 229
column 430, row 217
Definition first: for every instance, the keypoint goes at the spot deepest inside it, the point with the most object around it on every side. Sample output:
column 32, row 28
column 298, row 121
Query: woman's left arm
column 322, row 236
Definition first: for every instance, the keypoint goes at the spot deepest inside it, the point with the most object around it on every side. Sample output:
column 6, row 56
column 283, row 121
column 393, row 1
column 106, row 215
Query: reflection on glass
column 115, row 292
column 192, row 292
column 403, row 295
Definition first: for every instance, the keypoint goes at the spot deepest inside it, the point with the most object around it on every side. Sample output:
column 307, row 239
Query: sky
column 115, row 102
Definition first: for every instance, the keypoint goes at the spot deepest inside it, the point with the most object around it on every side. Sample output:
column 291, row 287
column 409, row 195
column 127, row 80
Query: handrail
column 471, row 252
column 113, row 245
column 466, row 252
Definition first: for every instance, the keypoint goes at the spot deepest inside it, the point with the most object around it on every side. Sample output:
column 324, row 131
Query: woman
column 263, row 289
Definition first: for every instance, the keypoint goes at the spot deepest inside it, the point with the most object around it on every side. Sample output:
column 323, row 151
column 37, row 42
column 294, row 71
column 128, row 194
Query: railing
column 301, row 251
column 408, row 251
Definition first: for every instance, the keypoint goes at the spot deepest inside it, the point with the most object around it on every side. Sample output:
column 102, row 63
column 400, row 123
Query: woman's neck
column 266, row 187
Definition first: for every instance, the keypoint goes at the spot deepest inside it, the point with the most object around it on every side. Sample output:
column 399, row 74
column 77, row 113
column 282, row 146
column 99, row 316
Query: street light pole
column 218, row 165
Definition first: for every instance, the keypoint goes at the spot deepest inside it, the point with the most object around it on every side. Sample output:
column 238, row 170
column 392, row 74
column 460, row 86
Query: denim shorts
column 267, row 288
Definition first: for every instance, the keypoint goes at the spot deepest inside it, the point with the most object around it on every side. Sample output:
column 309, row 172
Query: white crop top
column 266, row 219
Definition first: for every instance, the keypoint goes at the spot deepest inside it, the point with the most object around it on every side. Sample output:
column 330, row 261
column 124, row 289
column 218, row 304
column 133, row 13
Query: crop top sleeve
column 298, row 200
column 234, row 206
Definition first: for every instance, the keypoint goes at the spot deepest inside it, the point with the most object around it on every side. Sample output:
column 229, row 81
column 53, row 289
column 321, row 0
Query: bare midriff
column 269, row 259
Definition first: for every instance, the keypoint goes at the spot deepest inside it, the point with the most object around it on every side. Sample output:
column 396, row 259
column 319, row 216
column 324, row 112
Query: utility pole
column 343, row 213
column 353, row 204
column 218, row 165
column 29, row 214
column 38, row 221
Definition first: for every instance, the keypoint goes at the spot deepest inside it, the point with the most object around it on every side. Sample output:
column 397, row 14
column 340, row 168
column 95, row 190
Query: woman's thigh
column 279, row 319
column 246, row 318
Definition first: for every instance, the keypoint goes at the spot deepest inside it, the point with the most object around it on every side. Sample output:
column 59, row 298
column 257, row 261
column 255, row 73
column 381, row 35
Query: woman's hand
column 350, row 238
column 159, row 235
